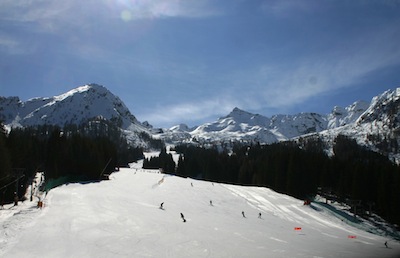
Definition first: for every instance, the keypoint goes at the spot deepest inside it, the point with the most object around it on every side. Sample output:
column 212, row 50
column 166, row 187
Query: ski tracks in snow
column 293, row 211
column 13, row 220
column 258, row 199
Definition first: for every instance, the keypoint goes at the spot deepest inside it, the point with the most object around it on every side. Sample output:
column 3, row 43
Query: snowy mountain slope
column 240, row 125
column 384, row 107
column 376, row 128
column 121, row 218
column 73, row 107
column 299, row 124
column 375, row 125
column 178, row 133
column 343, row 116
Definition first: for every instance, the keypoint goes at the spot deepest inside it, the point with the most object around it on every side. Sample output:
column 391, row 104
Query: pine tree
column 5, row 160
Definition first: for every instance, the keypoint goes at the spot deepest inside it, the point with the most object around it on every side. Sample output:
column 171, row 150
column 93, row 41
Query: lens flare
column 126, row 15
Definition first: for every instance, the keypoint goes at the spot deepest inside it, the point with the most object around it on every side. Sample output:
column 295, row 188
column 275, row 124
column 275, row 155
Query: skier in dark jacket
column 183, row 217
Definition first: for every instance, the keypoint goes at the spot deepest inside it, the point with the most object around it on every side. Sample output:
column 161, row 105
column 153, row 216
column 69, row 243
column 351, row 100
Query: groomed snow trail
column 121, row 218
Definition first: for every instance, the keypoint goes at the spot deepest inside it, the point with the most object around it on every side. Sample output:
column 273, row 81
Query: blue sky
column 192, row 61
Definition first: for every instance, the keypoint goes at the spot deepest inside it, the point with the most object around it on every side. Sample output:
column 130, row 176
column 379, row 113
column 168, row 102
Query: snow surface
column 121, row 218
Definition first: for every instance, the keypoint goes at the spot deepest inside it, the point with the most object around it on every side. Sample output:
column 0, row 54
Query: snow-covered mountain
column 377, row 128
column 240, row 125
column 73, row 107
column 343, row 116
column 375, row 125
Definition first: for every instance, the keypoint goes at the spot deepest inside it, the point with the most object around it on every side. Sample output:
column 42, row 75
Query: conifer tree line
column 163, row 161
column 353, row 173
column 74, row 153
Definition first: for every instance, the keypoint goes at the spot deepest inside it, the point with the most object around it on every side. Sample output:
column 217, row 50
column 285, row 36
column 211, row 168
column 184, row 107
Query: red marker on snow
column 350, row 236
column 297, row 228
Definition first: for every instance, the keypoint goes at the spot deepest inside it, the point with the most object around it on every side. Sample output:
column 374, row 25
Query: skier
column 243, row 214
column 183, row 217
column 15, row 199
column 386, row 244
column 161, row 206
column 211, row 203
column 259, row 215
column 191, row 184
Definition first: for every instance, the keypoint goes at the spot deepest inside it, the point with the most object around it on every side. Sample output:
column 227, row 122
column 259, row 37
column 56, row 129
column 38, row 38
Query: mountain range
column 375, row 124
column 242, row 125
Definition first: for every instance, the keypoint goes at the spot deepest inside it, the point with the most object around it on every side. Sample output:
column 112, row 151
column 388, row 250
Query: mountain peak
column 236, row 109
column 238, row 113
column 180, row 127
column 344, row 116
column 75, row 106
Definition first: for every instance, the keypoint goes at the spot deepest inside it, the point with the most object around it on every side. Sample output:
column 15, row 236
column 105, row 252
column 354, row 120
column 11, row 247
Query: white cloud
column 171, row 8
column 291, row 84
column 73, row 18
column 67, row 11
column 190, row 111
column 282, row 86
column 9, row 45
column 32, row 11
column 286, row 8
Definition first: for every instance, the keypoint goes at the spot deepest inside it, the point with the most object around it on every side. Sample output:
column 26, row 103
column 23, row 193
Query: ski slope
column 121, row 218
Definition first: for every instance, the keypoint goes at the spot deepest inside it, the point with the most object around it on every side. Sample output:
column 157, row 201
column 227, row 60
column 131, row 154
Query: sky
column 193, row 61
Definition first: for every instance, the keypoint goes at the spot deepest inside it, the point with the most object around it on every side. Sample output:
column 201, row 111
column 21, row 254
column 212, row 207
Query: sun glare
column 126, row 15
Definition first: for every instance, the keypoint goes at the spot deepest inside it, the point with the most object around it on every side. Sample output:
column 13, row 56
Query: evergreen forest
column 70, row 154
column 352, row 175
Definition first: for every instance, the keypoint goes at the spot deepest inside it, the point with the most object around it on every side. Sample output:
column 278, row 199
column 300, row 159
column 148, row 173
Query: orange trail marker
column 297, row 228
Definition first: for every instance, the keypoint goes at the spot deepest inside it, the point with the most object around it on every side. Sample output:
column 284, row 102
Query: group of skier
column 243, row 215
column 182, row 216
column 211, row 204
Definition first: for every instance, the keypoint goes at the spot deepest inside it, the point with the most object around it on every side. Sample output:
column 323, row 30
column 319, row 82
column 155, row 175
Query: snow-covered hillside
column 343, row 116
column 240, row 125
column 375, row 125
column 73, row 107
column 121, row 218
